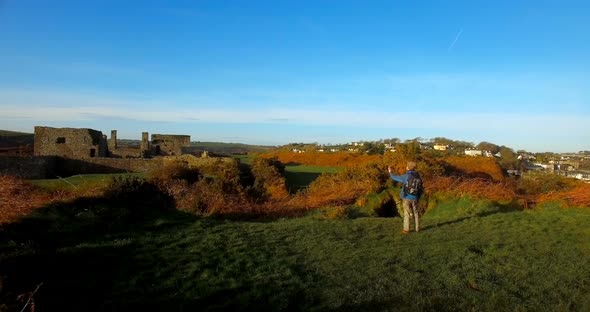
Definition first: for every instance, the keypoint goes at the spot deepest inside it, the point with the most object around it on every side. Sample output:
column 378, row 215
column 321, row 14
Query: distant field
column 8, row 133
column 229, row 148
column 299, row 177
column 15, row 139
column 465, row 259
column 245, row 159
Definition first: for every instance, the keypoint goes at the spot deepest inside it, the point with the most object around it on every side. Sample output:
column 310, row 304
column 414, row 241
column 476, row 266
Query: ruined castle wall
column 102, row 165
column 126, row 152
column 69, row 142
column 169, row 145
column 28, row 167
column 45, row 167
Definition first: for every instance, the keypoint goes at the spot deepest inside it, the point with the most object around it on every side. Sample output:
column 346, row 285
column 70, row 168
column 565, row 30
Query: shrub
column 226, row 175
column 576, row 196
column 384, row 204
column 543, row 183
column 340, row 159
column 455, row 187
column 18, row 198
column 473, row 167
column 135, row 198
column 176, row 170
column 207, row 197
column 344, row 187
column 269, row 179
column 217, row 190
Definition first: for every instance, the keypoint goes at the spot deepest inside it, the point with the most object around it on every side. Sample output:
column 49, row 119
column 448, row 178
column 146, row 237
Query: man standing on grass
column 410, row 194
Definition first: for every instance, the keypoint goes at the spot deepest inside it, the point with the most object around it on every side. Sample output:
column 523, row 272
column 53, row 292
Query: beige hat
column 411, row 165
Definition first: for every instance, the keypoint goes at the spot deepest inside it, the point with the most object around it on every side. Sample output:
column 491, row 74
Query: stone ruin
column 80, row 143
column 169, row 145
column 70, row 151
column 70, row 142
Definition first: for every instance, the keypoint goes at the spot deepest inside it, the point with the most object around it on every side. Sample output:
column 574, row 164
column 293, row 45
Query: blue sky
column 514, row 73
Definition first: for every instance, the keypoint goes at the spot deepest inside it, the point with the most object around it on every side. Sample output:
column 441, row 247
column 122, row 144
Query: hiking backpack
column 413, row 184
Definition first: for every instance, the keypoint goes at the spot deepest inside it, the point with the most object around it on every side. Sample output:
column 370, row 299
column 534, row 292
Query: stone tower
column 145, row 144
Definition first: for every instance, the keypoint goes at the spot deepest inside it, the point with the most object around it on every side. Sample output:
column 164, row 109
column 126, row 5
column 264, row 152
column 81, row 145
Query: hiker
column 410, row 194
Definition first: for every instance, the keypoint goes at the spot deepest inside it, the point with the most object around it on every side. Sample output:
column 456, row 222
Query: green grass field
column 470, row 256
column 15, row 139
column 81, row 181
column 297, row 177
column 300, row 176
column 8, row 133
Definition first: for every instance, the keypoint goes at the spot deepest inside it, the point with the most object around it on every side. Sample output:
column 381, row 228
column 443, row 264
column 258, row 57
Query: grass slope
column 297, row 177
column 469, row 256
column 15, row 139
column 82, row 181
column 230, row 148
column 300, row 176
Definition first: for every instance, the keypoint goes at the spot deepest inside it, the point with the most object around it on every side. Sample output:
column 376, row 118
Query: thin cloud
column 54, row 108
column 455, row 41
column 496, row 122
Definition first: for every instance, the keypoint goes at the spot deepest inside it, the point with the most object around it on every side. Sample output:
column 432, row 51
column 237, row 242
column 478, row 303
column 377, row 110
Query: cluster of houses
column 565, row 166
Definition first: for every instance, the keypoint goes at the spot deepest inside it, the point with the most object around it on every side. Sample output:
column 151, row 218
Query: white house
column 473, row 152
column 440, row 147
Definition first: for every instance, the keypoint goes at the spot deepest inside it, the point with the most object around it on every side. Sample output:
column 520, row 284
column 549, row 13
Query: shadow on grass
column 122, row 252
column 76, row 248
column 497, row 208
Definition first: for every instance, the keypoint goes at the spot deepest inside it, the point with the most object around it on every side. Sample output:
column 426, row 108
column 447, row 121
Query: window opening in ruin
column 60, row 140
column 92, row 152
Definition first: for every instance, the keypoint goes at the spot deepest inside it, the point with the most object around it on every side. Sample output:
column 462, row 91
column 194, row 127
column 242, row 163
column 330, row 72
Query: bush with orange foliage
column 18, row 198
column 475, row 167
column 550, row 187
column 269, row 178
column 341, row 159
column 211, row 189
column 473, row 187
column 343, row 187
column 577, row 197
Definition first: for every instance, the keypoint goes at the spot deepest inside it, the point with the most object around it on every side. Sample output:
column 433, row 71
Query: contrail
column 455, row 41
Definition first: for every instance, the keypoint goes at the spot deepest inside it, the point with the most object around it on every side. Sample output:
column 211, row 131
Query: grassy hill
column 213, row 147
column 230, row 148
column 15, row 139
column 469, row 256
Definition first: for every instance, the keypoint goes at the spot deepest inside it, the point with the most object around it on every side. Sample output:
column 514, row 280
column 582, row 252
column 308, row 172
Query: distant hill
column 15, row 139
column 212, row 147
column 229, row 148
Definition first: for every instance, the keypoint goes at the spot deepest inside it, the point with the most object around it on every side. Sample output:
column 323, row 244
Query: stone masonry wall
column 169, row 145
column 45, row 167
column 27, row 167
column 69, row 142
